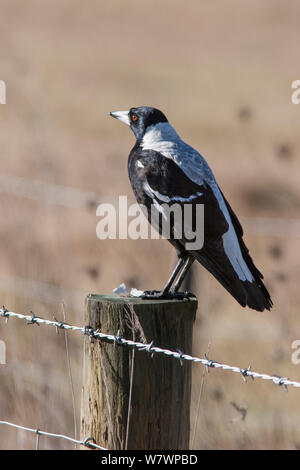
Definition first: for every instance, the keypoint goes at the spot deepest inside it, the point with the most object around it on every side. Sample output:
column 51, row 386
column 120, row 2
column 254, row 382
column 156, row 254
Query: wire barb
column 245, row 373
column 59, row 324
column 281, row 381
column 34, row 319
column 4, row 313
column 118, row 338
column 37, row 442
column 89, row 442
column 209, row 363
column 149, row 349
column 180, row 356
column 89, row 331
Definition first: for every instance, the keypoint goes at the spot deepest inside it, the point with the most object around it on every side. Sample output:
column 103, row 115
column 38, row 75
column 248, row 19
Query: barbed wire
column 150, row 348
column 89, row 442
column 49, row 193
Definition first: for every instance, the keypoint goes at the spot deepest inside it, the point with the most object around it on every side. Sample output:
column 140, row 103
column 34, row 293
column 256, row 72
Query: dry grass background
column 222, row 72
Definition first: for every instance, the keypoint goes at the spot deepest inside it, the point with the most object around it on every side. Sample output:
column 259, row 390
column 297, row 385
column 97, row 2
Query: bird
column 164, row 170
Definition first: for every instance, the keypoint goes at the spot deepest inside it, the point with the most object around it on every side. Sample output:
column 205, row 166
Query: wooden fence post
column 160, row 389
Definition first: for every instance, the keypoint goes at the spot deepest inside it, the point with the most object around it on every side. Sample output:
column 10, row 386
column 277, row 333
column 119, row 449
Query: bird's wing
column 195, row 167
column 170, row 179
column 167, row 185
column 245, row 252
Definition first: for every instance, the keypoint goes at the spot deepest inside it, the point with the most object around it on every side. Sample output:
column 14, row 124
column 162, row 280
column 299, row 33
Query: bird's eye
column 134, row 118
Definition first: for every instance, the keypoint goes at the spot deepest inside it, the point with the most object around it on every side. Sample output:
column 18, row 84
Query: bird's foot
column 160, row 294
column 181, row 295
column 154, row 294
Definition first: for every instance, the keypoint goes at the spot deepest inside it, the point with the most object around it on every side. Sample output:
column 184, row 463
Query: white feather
column 164, row 198
column 139, row 164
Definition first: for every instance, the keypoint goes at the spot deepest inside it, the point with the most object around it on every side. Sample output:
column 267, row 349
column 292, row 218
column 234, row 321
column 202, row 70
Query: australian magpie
column 164, row 170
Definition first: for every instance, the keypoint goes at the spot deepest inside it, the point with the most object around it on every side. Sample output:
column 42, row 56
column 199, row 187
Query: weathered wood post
column 160, row 389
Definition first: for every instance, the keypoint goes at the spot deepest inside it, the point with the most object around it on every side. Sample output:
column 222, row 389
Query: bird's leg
column 175, row 271
column 188, row 263
column 184, row 262
column 165, row 292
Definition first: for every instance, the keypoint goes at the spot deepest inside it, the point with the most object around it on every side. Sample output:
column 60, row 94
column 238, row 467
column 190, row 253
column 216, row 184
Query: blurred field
column 222, row 73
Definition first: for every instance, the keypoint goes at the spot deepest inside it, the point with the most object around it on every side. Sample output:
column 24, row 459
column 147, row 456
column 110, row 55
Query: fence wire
column 73, row 198
column 49, row 193
column 92, row 333
column 88, row 442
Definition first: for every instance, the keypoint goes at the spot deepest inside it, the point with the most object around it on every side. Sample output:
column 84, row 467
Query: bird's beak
column 122, row 116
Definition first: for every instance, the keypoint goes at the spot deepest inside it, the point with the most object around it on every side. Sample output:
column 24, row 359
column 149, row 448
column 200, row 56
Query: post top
column 114, row 298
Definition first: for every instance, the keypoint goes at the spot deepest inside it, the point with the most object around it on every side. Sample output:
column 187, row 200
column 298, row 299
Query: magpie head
column 139, row 119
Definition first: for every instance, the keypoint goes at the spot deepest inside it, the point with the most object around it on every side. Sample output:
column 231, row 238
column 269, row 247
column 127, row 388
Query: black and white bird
column 164, row 170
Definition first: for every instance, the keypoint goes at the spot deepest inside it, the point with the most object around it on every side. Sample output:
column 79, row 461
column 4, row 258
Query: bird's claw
column 160, row 294
column 181, row 295
column 153, row 294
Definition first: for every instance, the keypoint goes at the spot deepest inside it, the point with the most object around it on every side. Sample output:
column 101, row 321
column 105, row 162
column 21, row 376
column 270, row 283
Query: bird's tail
column 252, row 294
